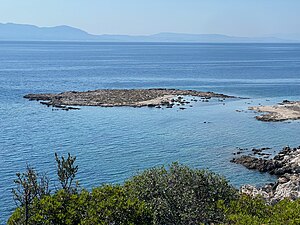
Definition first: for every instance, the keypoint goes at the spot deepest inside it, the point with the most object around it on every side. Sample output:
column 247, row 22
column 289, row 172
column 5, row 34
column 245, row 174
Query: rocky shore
column 286, row 161
column 124, row 97
column 286, row 187
column 285, row 165
column 287, row 110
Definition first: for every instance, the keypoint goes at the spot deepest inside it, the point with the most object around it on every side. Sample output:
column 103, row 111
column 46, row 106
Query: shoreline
column 123, row 97
column 287, row 110
column 285, row 166
column 287, row 173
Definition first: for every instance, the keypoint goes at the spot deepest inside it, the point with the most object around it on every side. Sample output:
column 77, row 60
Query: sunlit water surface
column 112, row 144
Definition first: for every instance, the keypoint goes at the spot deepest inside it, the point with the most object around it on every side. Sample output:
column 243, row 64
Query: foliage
column 247, row 210
column 66, row 172
column 180, row 195
column 111, row 205
column 30, row 186
column 174, row 195
column 104, row 205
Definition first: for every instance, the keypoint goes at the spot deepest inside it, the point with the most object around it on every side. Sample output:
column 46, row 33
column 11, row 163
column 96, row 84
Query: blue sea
column 113, row 144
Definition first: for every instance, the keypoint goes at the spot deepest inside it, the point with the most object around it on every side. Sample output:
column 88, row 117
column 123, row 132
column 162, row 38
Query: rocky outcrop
column 123, row 97
column 286, row 161
column 262, row 165
column 287, row 186
column 286, row 165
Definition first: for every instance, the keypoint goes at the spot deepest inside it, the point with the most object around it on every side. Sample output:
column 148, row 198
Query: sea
column 113, row 144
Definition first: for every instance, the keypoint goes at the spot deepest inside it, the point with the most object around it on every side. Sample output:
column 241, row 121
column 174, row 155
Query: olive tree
column 181, row 195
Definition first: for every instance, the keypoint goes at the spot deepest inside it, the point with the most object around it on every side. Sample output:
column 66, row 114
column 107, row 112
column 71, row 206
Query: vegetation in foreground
column 173, row 195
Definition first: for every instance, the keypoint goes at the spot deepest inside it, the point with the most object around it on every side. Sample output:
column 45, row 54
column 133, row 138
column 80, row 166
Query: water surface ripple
column 112, row 144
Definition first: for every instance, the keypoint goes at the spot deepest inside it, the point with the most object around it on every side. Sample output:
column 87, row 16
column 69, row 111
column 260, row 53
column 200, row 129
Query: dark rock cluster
column 286, row 161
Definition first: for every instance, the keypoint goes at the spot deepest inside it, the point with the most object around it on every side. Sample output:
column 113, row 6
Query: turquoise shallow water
column 113, row 144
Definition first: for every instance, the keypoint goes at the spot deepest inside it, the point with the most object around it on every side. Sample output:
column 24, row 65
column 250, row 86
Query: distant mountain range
column 21, row 32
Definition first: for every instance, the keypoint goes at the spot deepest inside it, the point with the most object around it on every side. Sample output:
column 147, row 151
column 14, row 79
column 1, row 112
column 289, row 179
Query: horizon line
column 151, row 34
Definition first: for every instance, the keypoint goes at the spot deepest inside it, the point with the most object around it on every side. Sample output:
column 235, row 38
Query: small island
column 123, row 97
column 287, row 110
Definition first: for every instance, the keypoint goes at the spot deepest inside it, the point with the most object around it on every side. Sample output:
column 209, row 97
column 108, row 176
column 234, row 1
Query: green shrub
column 180, row 195
column 247, row 210
column 60, row 208
column 111, row 205
column 174, row 195
column 104, row 205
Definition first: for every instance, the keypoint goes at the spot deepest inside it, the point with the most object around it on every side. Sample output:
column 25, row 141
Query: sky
column 141, row 17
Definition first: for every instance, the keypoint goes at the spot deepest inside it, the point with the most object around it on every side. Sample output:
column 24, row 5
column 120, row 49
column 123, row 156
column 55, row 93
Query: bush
column 255, row 211
column 174, row 195
column 111, row 205
column 180, row 195
column 104, row 205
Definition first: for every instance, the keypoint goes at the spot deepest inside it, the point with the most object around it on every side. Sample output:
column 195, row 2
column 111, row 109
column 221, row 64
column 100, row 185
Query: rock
column 165, row 103
column 287, row 110
column 259, row 151
column 253, row 191
column 253, row 163
column 286, row 161
column 287, row 186
column 285, row 165
column 282, row 180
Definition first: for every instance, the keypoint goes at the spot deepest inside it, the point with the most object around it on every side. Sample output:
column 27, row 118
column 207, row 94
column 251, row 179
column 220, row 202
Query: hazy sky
column 232, row 17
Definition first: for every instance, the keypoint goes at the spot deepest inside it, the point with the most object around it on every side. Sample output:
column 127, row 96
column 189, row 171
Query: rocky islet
column 124, row 97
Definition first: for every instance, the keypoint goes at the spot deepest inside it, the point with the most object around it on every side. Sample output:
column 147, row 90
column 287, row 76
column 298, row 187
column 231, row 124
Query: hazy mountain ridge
column 19, row 32
column 12, row 31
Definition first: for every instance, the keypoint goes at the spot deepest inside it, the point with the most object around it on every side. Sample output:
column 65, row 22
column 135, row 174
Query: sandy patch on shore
column 284, row 111
column 158, row 100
